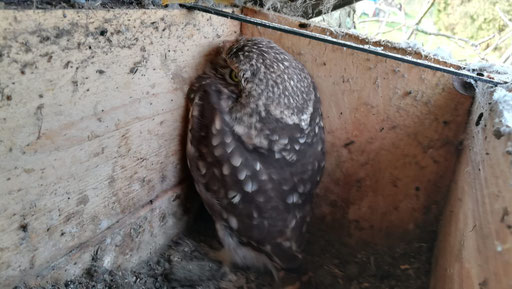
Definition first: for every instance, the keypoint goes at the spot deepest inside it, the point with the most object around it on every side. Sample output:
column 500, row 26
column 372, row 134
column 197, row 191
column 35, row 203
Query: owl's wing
column 260, row 198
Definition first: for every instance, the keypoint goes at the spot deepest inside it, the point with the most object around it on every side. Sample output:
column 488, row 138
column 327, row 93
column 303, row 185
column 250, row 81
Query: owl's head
column 267, row 87
column 268, row 81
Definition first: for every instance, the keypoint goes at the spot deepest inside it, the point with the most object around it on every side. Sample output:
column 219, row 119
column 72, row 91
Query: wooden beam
column 474, row 248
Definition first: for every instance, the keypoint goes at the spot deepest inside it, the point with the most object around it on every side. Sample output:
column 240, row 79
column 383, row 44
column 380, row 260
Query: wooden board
column 474, row 248
column 91, row 115
column 392, row 130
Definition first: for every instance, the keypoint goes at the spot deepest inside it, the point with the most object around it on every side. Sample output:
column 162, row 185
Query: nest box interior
column 92, row 170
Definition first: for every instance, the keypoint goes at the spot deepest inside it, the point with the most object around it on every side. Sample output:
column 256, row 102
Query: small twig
column 394, row 21
column 507, row 55
column 378, row 19
column 421, row 30
column 421, row 16
column 473, row 45
column 433, row 33
column 504, row 17
column 478, row 43
column 382, row 24
column 395, row 28
column 498, row 42
column 467, row 41
column 457, row 40
column 386, row 19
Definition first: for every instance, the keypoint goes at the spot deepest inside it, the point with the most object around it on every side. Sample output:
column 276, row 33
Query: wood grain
column 91, row 115
column 474, row 248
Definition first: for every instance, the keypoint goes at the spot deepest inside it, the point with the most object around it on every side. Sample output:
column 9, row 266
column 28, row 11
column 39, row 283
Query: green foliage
column 473, row 19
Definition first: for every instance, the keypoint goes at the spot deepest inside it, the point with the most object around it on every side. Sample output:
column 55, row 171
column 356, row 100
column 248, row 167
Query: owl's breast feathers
column 262, row 194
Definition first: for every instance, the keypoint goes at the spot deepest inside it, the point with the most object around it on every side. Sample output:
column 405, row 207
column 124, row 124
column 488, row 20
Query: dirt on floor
column 334, row 264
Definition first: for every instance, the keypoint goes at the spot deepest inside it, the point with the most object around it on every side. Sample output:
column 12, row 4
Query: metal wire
column 341, row 43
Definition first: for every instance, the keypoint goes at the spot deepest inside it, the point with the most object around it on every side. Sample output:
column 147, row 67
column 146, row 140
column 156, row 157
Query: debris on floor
column 334, row 264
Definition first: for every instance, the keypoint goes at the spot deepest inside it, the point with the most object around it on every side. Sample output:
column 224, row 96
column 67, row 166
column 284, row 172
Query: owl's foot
column 221, row 256
column 288, row 280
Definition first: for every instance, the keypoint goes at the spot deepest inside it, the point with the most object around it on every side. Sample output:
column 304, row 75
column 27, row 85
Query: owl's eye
column 234, row 76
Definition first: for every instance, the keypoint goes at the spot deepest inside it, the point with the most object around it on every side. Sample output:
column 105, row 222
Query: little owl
column 255, row 149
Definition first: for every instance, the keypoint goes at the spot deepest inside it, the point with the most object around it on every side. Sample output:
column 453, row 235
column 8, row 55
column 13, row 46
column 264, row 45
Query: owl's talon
column 292, row 281
column 226, row 271
column 293, row 286
column 221, row 256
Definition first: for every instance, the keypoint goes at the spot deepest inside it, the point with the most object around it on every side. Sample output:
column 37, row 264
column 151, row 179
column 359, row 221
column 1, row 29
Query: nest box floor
column 334, row 264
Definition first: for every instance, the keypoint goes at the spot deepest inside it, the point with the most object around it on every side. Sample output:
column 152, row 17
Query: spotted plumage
column 255, row 149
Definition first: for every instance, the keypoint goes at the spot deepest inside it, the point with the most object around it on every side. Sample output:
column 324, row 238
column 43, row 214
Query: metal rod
column 341, row 43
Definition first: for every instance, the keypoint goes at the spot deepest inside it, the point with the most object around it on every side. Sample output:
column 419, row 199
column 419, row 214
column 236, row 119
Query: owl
column 255, row 149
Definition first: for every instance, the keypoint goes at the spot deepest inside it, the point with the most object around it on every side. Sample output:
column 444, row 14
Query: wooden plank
column 91, row 115
column 474, row 248
column 392, row 132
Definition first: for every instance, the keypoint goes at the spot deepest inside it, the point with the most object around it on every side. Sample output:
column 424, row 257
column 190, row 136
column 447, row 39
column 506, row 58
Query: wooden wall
column 393, row 134
column 474, row 248
column 91, row 115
